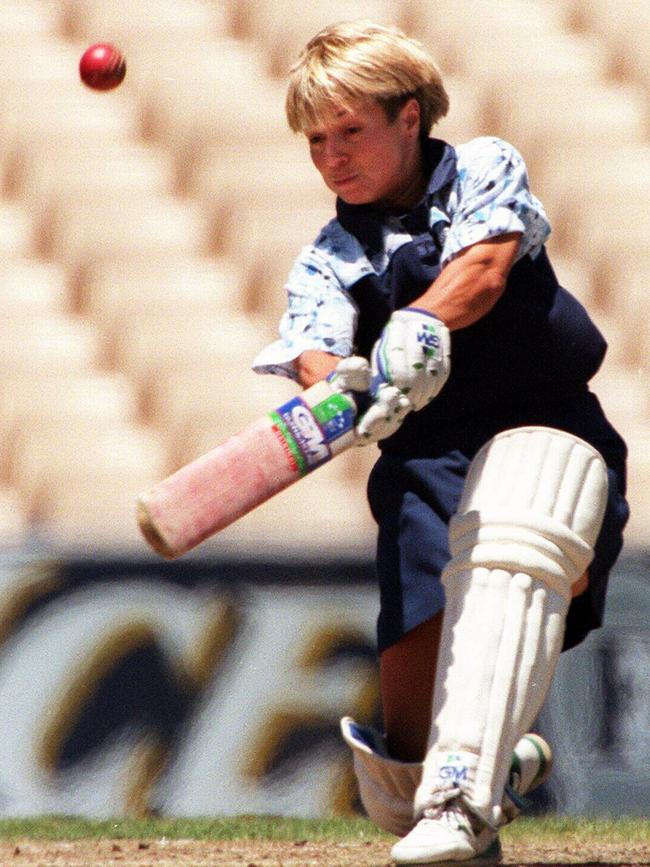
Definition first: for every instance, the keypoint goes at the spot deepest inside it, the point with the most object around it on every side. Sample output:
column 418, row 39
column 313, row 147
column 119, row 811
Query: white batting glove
column 387, row 408
column 351, row 374
column 413, row 354
column 383, row 417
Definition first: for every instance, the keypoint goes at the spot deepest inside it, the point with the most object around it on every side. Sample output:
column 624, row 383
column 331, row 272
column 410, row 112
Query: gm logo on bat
column 309, row 435
column 305, row 431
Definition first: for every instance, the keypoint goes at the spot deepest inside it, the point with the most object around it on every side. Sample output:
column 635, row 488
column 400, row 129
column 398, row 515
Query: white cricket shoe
column 448, row 833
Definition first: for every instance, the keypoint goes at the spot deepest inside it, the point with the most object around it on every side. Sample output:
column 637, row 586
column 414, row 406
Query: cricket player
column 499, row 492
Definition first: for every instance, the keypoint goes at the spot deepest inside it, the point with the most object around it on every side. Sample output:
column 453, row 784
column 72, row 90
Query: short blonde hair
column 356, row 60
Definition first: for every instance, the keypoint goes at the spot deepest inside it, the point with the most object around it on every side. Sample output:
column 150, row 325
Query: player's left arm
column 493, row 221
column 470, row 285
column 414, row 349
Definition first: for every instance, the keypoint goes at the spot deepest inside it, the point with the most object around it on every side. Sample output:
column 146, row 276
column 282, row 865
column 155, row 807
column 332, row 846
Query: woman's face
column 366, row 159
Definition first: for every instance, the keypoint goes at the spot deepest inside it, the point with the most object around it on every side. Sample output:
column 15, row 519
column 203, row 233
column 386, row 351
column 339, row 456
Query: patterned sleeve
column 491, row 197
column 319, row 315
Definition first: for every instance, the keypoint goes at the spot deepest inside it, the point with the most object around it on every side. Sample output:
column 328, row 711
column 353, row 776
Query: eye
column 315, row 139
column 353, row 130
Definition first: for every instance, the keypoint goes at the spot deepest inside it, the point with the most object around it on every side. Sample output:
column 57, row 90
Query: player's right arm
column 313, row 365
column 317, row 332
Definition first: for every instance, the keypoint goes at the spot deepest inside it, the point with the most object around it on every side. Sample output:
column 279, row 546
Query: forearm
column 470, row 285
column 314, row 365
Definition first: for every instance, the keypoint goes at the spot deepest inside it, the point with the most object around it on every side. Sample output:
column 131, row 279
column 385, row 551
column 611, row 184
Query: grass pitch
column 267, row 841
column 535, row 829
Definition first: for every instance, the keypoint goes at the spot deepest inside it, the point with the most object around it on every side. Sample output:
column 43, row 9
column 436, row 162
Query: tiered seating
column 466, row 117
column 90, row 227
column 42, row 101
column 126, row 23
column 168, row 213
column 459, row 35
column 280, row 30
column 623, row 28
column 81, row 482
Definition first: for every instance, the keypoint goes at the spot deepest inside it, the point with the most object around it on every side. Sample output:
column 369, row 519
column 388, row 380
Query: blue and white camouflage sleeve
column 320, row 315
column 491, row 197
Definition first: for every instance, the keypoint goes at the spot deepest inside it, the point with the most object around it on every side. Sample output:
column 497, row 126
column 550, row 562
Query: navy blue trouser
column 413, row 496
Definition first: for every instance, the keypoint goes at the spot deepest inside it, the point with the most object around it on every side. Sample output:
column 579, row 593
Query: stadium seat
column 465, row 119
column 33, row 59
column 126, row 23
column 186, row 401
column 44, row 459
column 88, row 401
column 30, row 288
column 608, row 19
column 589, row 171
column 117, row 290
column 282, row 30
column 544, row 121
column 52, row 343
column 27, row 21
column 14, row 519
column 231, row 179
column 610, row 244
column 60, row 119
column 453, row 31
column 217, row 346
column 266, row 241
column 17, row 231
column 574, row 276
column 95, row 514
column 624, row 394
column 183, row 105
column 637, row 437
column 628, row 301
column 89, row 228
column 45, row 175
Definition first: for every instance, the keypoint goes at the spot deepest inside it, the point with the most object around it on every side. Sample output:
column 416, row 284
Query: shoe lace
column 449, row 804
column 444, row 804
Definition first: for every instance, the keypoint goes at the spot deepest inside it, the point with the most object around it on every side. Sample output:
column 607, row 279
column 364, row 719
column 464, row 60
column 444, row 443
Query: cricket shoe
column 449, row 833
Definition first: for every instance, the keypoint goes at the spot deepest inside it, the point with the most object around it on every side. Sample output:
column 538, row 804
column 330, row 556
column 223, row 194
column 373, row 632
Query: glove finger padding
column 351, row 374
column 413, row 354
column 384, row 416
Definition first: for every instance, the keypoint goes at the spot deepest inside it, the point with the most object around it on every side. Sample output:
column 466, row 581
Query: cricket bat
column 211, row 492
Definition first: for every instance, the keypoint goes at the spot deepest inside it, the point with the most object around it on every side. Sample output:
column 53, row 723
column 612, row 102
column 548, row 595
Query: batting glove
column 380, row 411
column 351, row 374
column 383, row 417
column 412, row 354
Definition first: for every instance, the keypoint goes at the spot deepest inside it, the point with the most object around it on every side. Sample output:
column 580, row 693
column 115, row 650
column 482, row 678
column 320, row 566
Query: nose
column 334, row 152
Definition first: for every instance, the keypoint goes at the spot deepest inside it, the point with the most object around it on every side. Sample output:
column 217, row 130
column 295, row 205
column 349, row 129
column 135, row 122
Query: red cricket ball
column 102, row 66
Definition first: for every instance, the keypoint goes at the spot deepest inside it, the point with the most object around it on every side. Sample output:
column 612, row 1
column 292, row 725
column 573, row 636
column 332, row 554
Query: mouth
column 342, row 182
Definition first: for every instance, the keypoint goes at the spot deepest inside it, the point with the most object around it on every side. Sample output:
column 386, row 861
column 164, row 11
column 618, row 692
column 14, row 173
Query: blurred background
column 145, row 235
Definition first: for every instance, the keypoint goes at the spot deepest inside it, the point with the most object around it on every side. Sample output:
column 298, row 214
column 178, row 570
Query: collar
column 365, row 222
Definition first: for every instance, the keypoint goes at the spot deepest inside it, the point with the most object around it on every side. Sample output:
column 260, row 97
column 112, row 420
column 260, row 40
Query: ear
column 411, row 117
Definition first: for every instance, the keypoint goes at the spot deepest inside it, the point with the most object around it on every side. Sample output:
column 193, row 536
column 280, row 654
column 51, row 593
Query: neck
column 414, row 188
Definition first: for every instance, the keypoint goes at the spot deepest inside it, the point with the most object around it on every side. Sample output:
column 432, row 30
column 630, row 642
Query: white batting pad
column 529, row 516
column 386, row 786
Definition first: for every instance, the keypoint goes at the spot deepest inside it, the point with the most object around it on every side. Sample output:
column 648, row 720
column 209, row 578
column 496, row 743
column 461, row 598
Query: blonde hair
column 355, row 60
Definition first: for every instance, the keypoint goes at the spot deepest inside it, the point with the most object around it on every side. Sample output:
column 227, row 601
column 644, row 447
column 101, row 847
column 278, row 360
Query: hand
column 381, row 412
column 412, row 354
column 383, row 417
column 351, row 374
